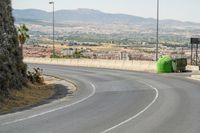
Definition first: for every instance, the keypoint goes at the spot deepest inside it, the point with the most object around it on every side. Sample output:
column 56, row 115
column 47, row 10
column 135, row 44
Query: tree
column 22, row 35
column 77, row 54
column 12, row 69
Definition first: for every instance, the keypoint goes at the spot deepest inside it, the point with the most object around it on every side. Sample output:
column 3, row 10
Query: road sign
column 195, row 40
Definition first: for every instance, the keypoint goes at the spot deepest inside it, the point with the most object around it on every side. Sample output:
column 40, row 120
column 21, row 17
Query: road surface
column 113, row 101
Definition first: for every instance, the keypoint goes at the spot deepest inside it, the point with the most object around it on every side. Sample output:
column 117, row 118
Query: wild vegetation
column 27, row 96
column 22, row 34
column 13, row 72
column 12, row 68
column 35, row 76
column 76, row 55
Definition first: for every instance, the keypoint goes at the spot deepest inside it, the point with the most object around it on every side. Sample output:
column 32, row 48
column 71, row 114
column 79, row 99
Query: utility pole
column 53, row 29
column 157, row 34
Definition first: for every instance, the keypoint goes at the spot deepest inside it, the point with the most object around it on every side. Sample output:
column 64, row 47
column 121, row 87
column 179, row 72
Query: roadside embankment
column 36, row 94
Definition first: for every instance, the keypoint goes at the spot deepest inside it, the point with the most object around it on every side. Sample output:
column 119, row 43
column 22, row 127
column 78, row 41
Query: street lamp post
column 53, row 29
column 157, row 36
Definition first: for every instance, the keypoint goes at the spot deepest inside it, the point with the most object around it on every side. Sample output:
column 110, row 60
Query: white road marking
column 138, row 114
column 53, row 110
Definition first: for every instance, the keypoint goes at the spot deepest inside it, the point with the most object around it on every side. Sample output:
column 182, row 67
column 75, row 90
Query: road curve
column 113, row 101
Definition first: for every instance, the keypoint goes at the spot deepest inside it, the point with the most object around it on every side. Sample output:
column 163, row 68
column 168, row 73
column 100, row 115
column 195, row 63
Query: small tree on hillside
column 22, row 35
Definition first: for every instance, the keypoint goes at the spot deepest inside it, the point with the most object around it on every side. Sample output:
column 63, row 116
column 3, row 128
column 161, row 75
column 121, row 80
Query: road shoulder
column 62, row 89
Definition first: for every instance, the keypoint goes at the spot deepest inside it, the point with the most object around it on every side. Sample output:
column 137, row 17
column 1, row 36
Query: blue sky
column 185, row 10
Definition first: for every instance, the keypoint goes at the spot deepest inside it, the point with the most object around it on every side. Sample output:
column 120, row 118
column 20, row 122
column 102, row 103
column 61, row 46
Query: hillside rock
column 12, row 69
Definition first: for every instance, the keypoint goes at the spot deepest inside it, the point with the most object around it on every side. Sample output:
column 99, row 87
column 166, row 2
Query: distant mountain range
column 95, row 16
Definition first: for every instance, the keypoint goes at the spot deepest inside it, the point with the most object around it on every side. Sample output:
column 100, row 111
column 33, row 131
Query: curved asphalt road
column 113, row 101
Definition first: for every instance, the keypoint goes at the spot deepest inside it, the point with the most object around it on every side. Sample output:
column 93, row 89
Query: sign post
column 195, row 41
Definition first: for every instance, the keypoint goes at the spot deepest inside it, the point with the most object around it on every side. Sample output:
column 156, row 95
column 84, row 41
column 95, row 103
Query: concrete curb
column 193, row 68
column 66, row 80
column 195, row 77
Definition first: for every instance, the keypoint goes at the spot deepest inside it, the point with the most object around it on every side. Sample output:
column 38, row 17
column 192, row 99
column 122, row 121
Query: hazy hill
column 79, row 15
column 95, row 16
column 88, row 25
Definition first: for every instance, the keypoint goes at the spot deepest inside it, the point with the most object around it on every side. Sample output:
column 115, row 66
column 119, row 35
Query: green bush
column 35, row 76
column 55, row 56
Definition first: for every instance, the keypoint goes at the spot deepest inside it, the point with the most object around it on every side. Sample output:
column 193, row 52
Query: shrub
column 35, row 76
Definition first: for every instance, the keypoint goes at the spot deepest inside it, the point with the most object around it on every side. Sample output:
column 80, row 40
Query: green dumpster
column 164, row 64
column 179, row 64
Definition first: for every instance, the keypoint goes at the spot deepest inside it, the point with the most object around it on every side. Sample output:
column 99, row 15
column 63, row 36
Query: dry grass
column 32, row 94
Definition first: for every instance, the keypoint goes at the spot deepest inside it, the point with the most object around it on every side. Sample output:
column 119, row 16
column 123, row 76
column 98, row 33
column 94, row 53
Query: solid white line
column 53, row 110
column 138, row 114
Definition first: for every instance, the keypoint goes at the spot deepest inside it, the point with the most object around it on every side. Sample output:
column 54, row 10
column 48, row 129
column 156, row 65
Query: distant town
column 131, row 38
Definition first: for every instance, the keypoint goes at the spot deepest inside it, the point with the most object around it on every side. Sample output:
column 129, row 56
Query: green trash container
column 164, row 64
column 179, row 64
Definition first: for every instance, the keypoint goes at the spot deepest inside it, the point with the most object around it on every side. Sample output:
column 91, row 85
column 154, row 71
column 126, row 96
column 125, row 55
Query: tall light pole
column 53, row 29
column 157, row 33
